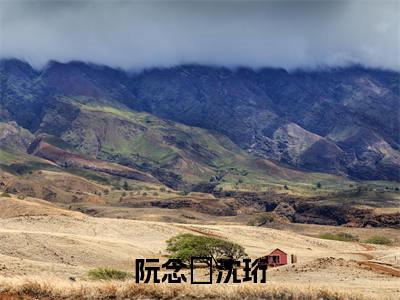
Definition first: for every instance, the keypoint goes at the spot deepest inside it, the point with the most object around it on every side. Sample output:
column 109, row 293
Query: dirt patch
column 367, row 247
column 375, row 266
column 366, row 256
column 201, row 231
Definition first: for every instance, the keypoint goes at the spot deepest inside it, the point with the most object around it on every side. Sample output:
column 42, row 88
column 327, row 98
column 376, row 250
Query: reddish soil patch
column 381, row 268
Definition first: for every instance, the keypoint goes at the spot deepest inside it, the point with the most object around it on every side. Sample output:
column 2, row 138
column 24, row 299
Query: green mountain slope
column 178, row 155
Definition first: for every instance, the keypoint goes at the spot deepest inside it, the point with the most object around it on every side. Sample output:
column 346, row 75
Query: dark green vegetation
column 19, row 163
column 340, row 236
column 185, row 246
column 379, row 240
column 108, row 274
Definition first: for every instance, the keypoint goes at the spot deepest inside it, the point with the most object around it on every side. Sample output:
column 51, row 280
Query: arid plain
column 41, row 242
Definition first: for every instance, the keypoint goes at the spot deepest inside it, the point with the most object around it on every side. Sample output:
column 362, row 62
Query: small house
column 276, row 258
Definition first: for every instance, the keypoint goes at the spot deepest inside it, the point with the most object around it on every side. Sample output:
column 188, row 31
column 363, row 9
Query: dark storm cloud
column 136, row 34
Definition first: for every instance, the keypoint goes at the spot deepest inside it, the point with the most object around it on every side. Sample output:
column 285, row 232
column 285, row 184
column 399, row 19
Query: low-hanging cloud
column 140, row 34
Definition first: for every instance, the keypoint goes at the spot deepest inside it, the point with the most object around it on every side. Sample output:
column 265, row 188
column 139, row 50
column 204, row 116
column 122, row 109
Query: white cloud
column 137, row 34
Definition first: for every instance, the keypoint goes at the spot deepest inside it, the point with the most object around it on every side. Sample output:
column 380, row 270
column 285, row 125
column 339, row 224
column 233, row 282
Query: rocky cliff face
column 14, row 137
column 297, row 118
column 342, row 121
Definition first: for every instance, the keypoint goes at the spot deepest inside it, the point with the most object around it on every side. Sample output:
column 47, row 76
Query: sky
column 143, row 34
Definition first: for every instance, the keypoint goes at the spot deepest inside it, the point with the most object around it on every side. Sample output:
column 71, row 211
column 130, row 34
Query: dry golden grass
column 36, row 237
column 39, row 289
column 11, row 207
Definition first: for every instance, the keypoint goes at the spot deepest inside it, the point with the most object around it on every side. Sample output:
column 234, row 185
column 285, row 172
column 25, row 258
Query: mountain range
column 194, row 123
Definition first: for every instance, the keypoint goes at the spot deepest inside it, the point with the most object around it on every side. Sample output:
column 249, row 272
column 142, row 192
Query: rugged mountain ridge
column 341, row 121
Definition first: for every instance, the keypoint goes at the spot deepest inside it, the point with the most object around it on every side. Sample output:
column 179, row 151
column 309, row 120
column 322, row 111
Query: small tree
column 126, row 186
column 184, row 246
column 184, row 192
column 319, row 185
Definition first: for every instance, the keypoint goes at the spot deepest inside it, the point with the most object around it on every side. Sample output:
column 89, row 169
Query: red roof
column 277, row 249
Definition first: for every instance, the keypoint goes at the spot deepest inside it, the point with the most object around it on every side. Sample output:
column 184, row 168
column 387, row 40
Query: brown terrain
column 66, row 159
column 63, row 214
column 41, row 241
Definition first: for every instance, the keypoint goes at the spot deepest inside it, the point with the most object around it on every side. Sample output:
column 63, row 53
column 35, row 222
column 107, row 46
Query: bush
column 126, row 186
column 379, row 240
column 107, row 274
column 5, row 195
column 261, row 219
column 184, row 246
column 340, row 236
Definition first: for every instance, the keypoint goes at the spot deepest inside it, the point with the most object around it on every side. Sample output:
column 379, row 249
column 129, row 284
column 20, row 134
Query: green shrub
column 261, row 219
column 184, row 246
column 4, row 194
column 126, row 186
column 379, row 240
column 107, row 274
column 340, row 236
